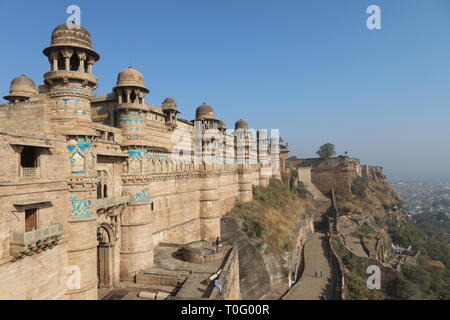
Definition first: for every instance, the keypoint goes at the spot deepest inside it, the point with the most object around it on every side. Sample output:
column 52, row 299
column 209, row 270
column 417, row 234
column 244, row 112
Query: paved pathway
column 354, row 244
column 310, row 287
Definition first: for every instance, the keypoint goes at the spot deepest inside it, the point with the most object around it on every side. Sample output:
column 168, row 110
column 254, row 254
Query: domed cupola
column 169, row 107
column 22, row 89
column 74, row 36
column 70, row 81
column 169, row 103
column 130, row 88
column 131, row 77
column 131, row 108
column 241, row 124
column 221, row 125
column 71, row 54
column 204, row 112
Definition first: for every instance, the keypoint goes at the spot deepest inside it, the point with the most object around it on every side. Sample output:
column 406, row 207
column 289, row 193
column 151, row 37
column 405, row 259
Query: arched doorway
column 106, row 237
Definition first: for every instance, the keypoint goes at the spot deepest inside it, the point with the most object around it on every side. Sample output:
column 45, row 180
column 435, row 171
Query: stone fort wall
column 331, row 174
column 90, row 184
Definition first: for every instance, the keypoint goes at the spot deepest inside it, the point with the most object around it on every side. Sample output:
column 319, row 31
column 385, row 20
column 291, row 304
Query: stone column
column 82, row 220
column 54, row 60
column 245, row 190
column 67, row 54
column 90, row 62
column 128, row 93
column 210, row 211
column 82, row 56
column 136, row 250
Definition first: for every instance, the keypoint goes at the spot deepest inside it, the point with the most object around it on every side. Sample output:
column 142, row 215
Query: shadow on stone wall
column 253, row 275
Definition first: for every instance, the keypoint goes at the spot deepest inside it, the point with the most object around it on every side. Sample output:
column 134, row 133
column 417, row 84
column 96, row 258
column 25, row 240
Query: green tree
column 326, row 151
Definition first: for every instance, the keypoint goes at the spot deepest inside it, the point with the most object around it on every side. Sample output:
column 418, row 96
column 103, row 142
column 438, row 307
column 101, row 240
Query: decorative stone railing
column 111, row 202
column 32, row 242
column 29, row 172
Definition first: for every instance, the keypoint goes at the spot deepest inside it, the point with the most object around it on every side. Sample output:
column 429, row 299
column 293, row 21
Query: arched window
column 61, row 62
column 105, row 191
column 99, row 190
column 74, row 62
column 133, row 96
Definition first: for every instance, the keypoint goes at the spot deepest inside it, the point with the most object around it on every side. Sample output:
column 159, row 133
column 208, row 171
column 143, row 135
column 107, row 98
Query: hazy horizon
column 310, row 68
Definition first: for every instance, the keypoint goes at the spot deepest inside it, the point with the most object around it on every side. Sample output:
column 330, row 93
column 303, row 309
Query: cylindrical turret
column 136, row 251
column 131, row 109
column 210, row 210
column 69, row 88
column 70, row 81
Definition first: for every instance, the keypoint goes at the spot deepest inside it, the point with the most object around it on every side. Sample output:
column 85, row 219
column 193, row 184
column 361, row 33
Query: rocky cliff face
column 270, row 233
column 363, row 216
column 254, row 277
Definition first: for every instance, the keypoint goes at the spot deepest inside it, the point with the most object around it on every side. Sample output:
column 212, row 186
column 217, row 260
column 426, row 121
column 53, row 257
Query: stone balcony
column 107, row 203
column 28, row 243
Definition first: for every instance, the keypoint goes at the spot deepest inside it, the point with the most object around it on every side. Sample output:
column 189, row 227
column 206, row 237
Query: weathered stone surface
column 116, row 172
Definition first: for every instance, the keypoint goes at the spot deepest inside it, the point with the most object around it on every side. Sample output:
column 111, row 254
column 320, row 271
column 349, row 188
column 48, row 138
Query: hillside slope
column 372, row 220
column 270, row 232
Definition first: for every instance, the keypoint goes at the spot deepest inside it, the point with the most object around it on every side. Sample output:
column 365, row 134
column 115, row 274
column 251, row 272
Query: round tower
column 137, row 221
column 69, row 85
column 70, row 81
column 131, row 109
column 169, row 107
column 207, row 153
column 265, row 171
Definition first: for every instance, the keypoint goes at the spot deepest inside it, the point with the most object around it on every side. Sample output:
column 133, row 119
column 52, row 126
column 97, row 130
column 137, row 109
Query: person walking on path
column 321, row 274
column 315, row 272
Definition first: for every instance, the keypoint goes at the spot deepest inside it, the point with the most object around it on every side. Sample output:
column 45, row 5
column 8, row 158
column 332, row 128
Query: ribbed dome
column 22, row 86
column 71, row 34
column 169, row 103
column 131, row 77
column 241, row 124
column 205, row 111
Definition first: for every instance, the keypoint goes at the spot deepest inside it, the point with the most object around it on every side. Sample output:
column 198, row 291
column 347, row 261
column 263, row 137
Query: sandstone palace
column 92, row 185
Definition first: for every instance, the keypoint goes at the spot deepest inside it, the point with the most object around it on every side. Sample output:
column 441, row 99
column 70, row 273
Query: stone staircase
column 321, row 203
column 318, row 196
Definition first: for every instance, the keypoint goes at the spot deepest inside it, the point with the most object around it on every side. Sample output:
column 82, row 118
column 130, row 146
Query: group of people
column 317, row 274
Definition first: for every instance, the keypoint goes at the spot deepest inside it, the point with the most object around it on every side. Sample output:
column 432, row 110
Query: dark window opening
column 30, row 220
column 74, row 62
column 105, row 191
column 133, row 97
column 99, row 191
column 61, row 62
column 29, row 157
column 152, row 206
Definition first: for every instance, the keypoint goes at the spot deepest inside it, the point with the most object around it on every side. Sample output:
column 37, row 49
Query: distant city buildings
column 425, row 196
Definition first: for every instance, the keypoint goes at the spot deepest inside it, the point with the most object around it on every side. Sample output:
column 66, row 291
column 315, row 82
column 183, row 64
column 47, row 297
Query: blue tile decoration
column 142, row 196
column 77, row 155
column 80, row 208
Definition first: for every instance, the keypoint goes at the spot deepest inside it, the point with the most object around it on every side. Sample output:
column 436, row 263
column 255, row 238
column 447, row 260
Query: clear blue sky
column 310, row 68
